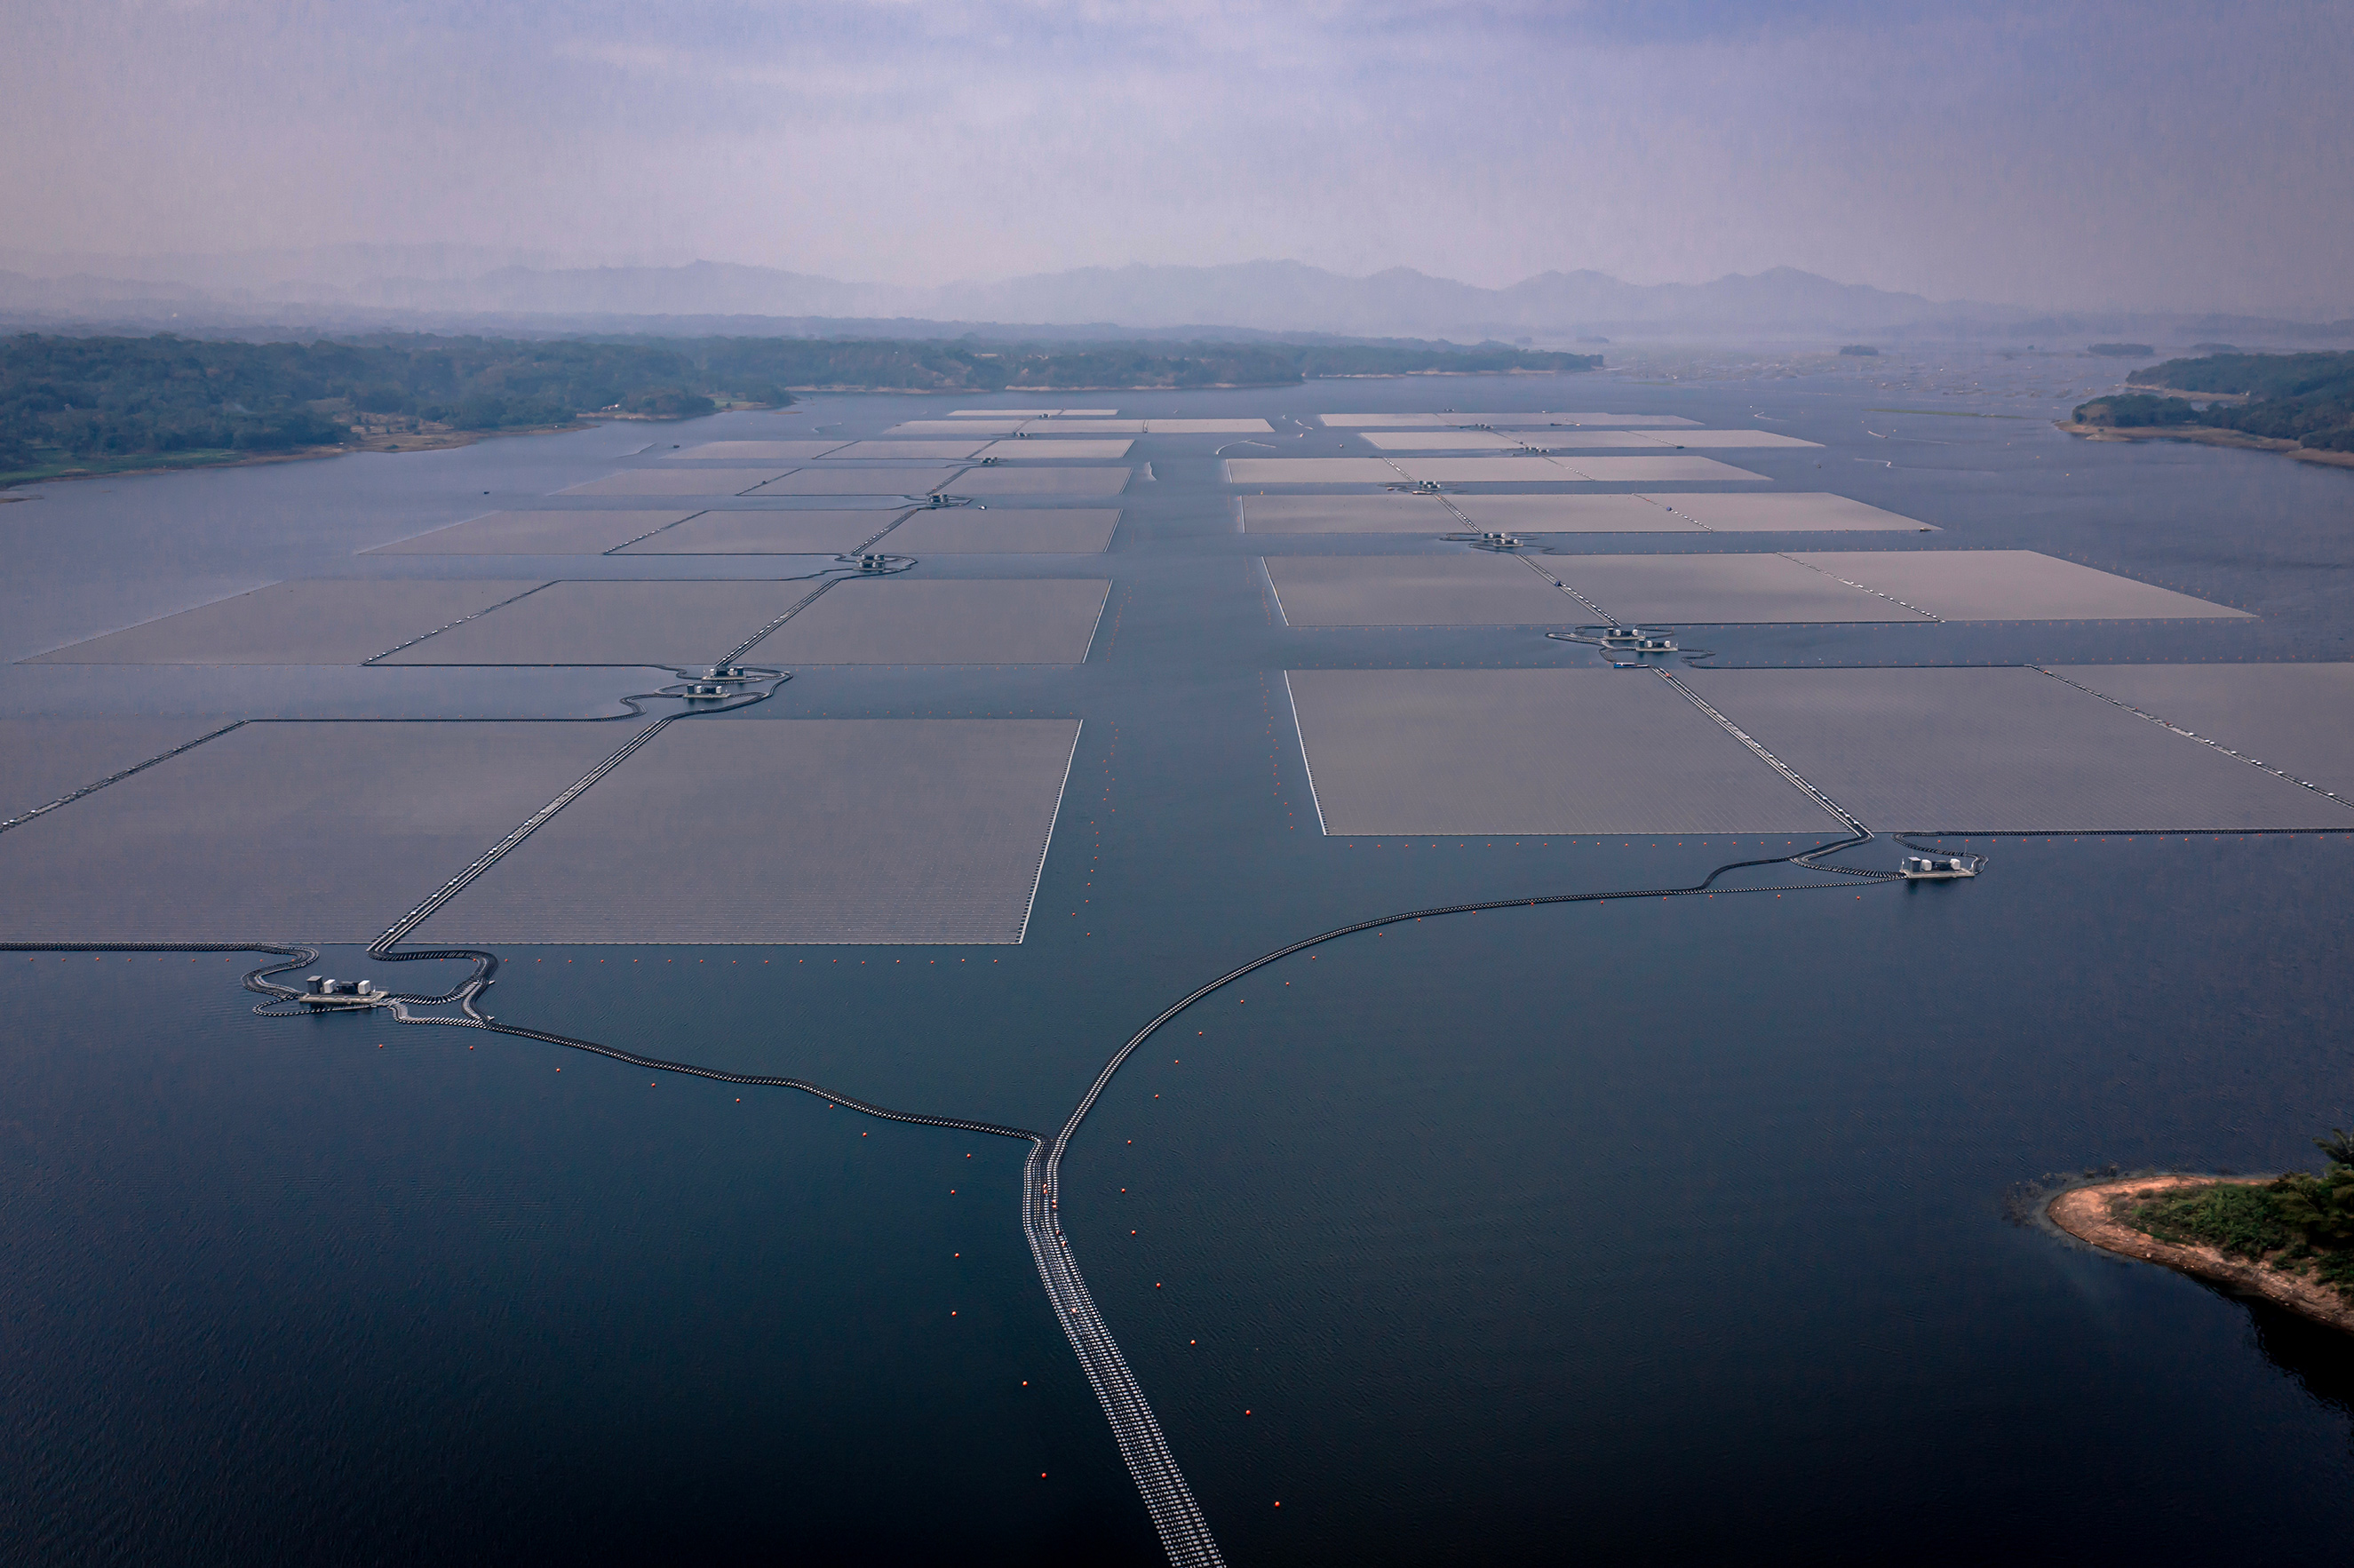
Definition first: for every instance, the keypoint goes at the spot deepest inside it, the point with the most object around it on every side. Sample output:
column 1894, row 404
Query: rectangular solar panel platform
column 1002, row 529
column 45, row 759
column 1733, row 439
column 1473, row 588
column 1489, row 511
column 1442, row 440
column 957, row 427
column 2298, row 719
column 1501, row 468
column 1313, row 470
column 661, row 625
column 319, row 621
column 1038, row 481
column 1058, row 448
column 679, row 479
column 1528, row 752
column 1713, row 589
column 910, row 450
column 1550, row 421
column 287, row 832
column 1383, row 514
column 537, row 533
column 769, row 533
column 1989, row 750
column 848, row 480
column 1476, row 512
column 1768, row 512
column 753, row 451
column 744, row 831
column 1663, row 470
column 1523, row 419
column 2012, row 585
column 914, row 620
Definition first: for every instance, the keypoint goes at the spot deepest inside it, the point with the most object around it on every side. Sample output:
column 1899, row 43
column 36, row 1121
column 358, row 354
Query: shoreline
column 407, row 442
column 2084, row 1212
column 2205, row 435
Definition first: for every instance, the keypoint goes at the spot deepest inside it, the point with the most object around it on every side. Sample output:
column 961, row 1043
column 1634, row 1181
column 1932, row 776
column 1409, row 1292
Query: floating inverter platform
column 677, row 480
column 323, row 833
column 914, row 620
column 1003, row 530
column 576, row 532
column 789, row 831
column 340, row 621
column 1467, row 589
column 1530, row 751
column 1990, row 750
column 2298, row 719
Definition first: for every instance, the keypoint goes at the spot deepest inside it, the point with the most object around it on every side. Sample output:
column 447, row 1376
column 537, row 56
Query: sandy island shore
column 2086, row 1214
column 2205, row 435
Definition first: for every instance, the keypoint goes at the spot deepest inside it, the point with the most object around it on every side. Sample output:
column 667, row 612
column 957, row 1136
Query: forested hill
column 114, row 403
column 2307, row 398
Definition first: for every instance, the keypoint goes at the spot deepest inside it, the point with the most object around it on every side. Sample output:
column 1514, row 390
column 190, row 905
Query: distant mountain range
column 440, row 287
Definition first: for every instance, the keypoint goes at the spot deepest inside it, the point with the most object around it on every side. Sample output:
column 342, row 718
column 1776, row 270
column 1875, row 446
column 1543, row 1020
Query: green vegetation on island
column 108, row 404
column 2300, row 1224
column 2122, row 350
column 2306, row 399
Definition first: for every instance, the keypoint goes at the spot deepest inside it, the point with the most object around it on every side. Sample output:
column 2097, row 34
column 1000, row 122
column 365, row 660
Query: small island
column 2299, row 404
column 2289, row 1239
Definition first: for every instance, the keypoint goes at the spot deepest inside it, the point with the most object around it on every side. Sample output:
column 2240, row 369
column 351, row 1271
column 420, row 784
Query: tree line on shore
column 129, row 401
column 2299, row 1223
column 2307, row 398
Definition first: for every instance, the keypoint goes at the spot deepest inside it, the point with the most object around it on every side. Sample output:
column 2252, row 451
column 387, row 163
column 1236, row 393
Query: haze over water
column 1667, row 1230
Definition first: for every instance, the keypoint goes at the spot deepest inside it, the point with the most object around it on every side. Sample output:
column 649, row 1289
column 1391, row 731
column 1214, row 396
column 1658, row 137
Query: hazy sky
column 2152, row 154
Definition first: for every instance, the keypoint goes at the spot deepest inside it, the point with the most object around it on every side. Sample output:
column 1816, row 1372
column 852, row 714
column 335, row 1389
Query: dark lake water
column 1673, row 1231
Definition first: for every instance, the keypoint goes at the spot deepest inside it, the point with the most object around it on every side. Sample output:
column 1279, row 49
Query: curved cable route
column 1176, row 1516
